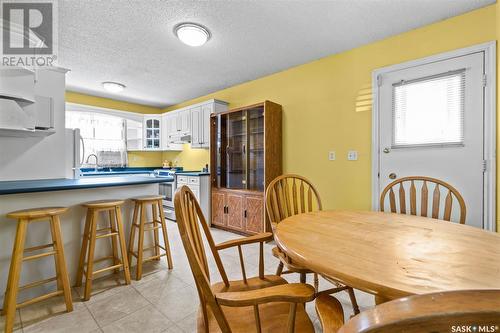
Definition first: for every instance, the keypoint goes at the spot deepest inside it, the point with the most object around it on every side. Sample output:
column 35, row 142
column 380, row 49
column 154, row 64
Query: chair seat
column 147, row 198
column 287, row 262
column 103, row 203
column 273, row 316
column 35, row 213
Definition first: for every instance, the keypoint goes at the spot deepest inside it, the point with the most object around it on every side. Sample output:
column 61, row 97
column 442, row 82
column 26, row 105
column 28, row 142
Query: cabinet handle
column 245, row 213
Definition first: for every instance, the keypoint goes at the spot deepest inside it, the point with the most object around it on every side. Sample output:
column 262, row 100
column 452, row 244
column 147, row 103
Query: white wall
column 37, row 158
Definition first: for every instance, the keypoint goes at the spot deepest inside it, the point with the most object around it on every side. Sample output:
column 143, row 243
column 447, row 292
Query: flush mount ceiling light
column 192, row 34
column 113, row 87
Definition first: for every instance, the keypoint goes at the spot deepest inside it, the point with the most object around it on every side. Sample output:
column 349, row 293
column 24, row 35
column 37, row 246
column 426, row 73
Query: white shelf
column 25, row 133
column 19, row 99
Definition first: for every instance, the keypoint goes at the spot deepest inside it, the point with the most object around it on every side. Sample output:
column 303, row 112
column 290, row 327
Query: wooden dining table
column 392, row 255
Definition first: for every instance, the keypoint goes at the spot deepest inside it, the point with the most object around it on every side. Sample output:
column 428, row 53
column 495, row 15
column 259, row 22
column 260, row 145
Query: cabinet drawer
column 194, row 180
column 182, row 180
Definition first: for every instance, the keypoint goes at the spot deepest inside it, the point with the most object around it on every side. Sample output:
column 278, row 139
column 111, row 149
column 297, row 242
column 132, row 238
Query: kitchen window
column 103, row 136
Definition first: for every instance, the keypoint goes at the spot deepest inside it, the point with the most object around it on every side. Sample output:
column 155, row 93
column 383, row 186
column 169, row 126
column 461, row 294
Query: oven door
column 167, row 191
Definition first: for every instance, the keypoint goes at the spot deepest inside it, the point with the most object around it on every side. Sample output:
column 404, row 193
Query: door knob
column 386, row 150
column 392, row 175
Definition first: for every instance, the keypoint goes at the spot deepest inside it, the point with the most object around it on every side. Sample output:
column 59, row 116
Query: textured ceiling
column 131, row 41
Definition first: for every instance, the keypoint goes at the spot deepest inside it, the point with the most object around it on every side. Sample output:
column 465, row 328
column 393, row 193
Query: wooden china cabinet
column 245, row 156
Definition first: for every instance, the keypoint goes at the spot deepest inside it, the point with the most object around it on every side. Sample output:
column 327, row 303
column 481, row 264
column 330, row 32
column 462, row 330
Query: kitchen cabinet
column 152, row 132
column 200, row 122
column 200, row 186
column 167, row 122
column 238, row 211
column 243, row 163
column 134, row 135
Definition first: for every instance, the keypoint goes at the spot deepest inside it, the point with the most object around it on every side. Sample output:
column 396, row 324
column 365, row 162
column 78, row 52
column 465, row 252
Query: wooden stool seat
column 92, row 233
column 139, row 222
column 103, row 203
column 37, row 213
column 148, row 198
column 24, row 217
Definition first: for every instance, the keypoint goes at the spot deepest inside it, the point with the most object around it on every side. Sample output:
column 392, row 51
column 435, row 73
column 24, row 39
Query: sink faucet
column 96, row 161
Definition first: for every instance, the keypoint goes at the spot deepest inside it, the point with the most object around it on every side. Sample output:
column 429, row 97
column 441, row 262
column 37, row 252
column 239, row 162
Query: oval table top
column 392, row 255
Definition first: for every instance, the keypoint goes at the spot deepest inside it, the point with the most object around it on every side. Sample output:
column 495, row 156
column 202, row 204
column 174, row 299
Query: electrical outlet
column 331, row 156
column 352, row 155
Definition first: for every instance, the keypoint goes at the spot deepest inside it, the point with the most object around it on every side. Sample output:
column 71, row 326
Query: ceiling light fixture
column 192, row 34
column 113, row 87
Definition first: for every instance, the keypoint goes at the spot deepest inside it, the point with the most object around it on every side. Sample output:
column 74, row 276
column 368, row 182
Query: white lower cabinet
column 200, row 187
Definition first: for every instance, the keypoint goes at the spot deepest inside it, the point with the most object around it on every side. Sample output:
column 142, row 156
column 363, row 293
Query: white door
column 431, row 124
column 196, row 124
column 205, row 124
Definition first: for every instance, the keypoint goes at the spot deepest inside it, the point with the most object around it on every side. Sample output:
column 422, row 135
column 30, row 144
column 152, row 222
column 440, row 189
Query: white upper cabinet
column 168, row 130
column 200, row 122
column 196, row 127
column 152, row 132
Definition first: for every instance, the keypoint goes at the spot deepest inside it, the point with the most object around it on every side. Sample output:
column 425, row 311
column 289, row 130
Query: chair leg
column 10, row 302
column 114, row 242
column 303, row 278
column 165, row 236
column 140, row 245
column 62, row 273
column 83, row 251
column 90, row 256
column 316, row 282
column 354, row 303
column 123, row 247
column 156, row 233
column 279, row 270
column 133, row 228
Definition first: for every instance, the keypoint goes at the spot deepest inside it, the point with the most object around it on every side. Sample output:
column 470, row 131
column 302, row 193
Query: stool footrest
column 107, row 235
column 41, row 255
column 39, row 299
column 37, row 283
column 39, row 247
column 154, row 257
column 107, row 268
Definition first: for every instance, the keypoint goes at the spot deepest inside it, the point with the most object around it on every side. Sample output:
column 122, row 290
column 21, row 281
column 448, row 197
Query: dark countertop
column 192, row 173
column 90, row 172
column 59, row 184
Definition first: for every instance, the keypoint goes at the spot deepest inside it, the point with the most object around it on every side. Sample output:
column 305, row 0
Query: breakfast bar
column 71, row 193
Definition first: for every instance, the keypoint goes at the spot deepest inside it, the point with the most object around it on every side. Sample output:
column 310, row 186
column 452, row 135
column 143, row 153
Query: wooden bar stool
column 141, row 203
column 91, row 234
column 24, row 217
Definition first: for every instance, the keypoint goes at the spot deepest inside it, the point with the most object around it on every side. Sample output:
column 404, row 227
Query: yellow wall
column 78, row 98
column 318, row 100
column 189, row 159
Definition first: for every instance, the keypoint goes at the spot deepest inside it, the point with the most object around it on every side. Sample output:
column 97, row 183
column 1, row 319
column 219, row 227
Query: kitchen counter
column 71, row 193
column 43, row 185
column 91, row 172
column 192, row 173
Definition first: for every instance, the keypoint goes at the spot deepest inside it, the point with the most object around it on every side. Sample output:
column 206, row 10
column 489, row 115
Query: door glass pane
column 156, row 123
column 236, row 150
column 149, row 123
column 429, row 110
column 256, row 149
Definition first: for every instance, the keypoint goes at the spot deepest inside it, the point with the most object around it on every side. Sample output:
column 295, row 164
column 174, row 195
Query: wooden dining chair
column 442, row 312
column 411, row 183
column 289, row 195
column 266, row 303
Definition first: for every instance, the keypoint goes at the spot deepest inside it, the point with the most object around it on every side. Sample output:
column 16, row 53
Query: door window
column 429, row 110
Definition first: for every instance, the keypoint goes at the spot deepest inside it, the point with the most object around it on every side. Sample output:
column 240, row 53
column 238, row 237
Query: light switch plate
column 352, row 155
column 331, row 156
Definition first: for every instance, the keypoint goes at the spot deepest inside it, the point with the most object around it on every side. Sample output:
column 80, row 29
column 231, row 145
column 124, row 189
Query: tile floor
column 162, row 301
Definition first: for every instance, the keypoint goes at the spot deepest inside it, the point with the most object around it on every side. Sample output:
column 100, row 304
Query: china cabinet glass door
column 236, row 150
column 255, row 159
